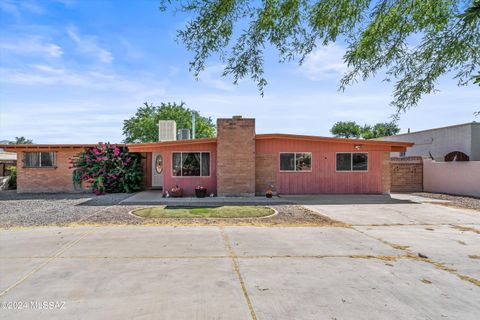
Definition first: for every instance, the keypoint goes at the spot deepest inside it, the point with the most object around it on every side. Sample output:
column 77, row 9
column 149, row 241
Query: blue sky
column 71, row 71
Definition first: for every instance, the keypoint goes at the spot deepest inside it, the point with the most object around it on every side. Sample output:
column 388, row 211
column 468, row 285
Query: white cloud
column 41, row 74
column 49, row 69
column 172, row 70
column 212, row 76
column 89, row 45
column 9, row 7
column 16, row 7
column 131, row 51
column 33, row 45
column 325, row 62
column 96, row 110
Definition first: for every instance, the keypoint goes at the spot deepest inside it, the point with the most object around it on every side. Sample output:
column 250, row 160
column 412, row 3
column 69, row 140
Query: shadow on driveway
column 343, row 199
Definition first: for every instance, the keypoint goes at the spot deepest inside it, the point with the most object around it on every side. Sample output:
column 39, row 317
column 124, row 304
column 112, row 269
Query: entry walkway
column 150, row 197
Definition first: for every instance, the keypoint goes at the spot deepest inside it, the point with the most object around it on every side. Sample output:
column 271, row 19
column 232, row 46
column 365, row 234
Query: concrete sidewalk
column 224, row 273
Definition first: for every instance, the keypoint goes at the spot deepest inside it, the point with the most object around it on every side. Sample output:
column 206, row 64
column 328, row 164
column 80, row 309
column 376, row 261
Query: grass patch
column 204, row 212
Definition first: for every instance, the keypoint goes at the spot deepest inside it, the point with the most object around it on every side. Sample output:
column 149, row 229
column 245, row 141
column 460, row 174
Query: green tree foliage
column 412, row 42
column 380, row 130
column 143, row 127
column 22, row 140
column 346, row 129
column 12, row 183
column 350, row 129
column 108, row 168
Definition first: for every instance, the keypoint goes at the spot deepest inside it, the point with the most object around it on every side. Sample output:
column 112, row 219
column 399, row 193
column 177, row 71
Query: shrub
column 108, row 168
column 12, row 183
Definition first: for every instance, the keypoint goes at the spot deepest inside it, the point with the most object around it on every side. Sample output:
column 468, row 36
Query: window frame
column 351, row 162
column 295, row 161
column 181, row 158
column 54, row 161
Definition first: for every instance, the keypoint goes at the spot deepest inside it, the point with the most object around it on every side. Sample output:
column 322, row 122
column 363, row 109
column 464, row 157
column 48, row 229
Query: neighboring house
column 237, row 162
column 441, row 141
column 7, row 159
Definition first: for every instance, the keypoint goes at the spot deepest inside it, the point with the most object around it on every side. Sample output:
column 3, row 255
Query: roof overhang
column 154, row 146
column 43, row 147
column 394, row 146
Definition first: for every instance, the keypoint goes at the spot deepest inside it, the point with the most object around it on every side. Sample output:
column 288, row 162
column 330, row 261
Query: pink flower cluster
column 103, row 166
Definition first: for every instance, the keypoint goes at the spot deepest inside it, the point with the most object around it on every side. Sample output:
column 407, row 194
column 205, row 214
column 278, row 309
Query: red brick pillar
column 236, row 157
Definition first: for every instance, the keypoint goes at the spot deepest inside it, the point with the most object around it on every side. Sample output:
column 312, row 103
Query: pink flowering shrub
column 108, row 168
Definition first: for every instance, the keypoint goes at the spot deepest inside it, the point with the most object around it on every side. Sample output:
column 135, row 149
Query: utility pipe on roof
column 193, row 125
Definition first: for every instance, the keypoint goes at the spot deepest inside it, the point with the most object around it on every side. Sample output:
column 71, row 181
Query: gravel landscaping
column 456, row 201
column 51, row 209
column 25, row 210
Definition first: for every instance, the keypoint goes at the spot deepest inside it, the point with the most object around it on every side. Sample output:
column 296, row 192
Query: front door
column 157, row 171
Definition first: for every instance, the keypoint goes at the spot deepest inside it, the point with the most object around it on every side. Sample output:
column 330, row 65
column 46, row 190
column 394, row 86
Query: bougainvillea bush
column 108, row 168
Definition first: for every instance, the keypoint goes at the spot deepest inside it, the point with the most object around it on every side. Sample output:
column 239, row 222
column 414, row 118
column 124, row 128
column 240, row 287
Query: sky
column 72, row 70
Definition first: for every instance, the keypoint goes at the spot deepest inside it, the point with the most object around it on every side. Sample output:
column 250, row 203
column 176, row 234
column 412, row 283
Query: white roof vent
column 167, row 130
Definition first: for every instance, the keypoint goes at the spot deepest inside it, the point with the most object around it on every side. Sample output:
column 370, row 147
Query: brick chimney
column 236, row 157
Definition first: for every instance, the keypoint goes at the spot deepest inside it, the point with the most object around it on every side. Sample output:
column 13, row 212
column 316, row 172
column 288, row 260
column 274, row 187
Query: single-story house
column 238, row 162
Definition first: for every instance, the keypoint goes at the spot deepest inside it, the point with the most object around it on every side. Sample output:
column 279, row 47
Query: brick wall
column 406, row 174
column 236, row 157
column 265, row 172
column 57, row 179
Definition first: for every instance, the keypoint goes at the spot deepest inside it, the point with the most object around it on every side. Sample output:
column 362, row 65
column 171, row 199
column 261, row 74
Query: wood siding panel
column 188, row 184
column 323, row 178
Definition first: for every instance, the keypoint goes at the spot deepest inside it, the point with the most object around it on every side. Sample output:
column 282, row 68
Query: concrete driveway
column 363, row 272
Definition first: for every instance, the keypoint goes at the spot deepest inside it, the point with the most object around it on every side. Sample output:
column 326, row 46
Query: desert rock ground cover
column 29, row 210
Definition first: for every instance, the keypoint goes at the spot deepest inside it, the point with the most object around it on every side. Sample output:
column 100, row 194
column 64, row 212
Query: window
column 39, row 159
column 352, row 161
column 300, row 161
column 191, row 164
column 359, row 162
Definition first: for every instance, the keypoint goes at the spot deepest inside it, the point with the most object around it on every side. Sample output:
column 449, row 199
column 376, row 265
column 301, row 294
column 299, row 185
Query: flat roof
column 148, row 146
column 14, row 147
column 332, row 139
column 434, row 129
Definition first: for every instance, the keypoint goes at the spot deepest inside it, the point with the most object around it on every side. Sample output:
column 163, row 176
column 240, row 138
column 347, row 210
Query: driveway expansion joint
column 229, row 249
column 47, row 261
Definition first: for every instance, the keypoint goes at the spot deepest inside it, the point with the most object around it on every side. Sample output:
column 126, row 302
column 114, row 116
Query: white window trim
column 351, row 162
column 181, row 158
column 295, row 161
column 40, row 160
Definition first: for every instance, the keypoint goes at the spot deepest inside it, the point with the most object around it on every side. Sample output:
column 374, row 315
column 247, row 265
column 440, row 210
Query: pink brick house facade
column 238, row 162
